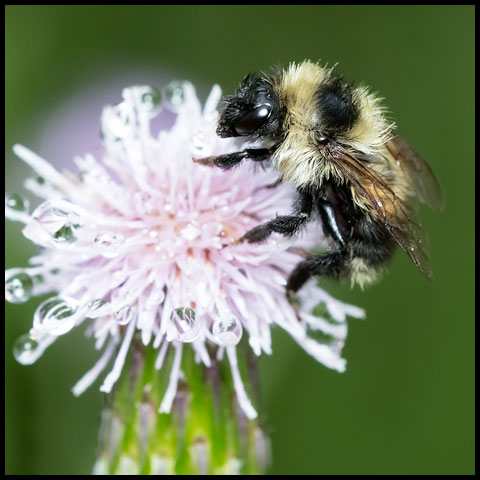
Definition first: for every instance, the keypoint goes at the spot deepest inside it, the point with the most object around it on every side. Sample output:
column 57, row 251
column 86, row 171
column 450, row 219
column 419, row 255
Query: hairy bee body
column 333, row 141
column 363, row 128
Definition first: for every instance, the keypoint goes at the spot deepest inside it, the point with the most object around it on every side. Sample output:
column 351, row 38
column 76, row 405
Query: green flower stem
column 205, row 433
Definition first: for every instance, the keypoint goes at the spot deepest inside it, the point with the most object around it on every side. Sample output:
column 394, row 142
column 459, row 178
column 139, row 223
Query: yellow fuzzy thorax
column 298, row 157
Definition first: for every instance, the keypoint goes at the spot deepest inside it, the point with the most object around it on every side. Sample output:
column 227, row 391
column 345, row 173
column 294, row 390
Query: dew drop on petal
column 55, row 316
column 15, row 203
column 125, row 315
column 49, row 217
column 116, row 122
column 108, row 243
column 65, row 235
column 227, row 330
column 58, row 221
column 174, row 94
column 60, row 212
column 98, row 308
column 23, row 349
column 185, row 324
column 150, row 99
column 18, row 286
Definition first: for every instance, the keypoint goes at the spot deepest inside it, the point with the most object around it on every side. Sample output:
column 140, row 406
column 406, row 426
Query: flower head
column 137, row 243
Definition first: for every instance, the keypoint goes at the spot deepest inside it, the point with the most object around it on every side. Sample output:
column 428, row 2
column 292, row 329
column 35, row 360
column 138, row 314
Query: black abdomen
column 361, row 236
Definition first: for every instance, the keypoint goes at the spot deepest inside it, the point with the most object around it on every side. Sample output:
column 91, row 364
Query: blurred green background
column 406, row 403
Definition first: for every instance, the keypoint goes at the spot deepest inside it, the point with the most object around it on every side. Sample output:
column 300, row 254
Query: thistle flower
column 139, row 244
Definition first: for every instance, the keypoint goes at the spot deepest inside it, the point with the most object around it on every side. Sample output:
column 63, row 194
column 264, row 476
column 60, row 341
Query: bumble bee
column 333, row 142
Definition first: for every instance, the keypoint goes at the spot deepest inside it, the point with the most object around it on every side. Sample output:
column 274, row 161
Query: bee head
column 253, row 110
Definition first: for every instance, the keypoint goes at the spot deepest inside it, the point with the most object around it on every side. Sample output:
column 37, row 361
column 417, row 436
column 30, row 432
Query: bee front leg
column 285, row 224
column 229, row 160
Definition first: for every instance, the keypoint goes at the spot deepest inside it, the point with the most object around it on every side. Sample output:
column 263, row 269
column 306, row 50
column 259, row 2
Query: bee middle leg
column 285, row 224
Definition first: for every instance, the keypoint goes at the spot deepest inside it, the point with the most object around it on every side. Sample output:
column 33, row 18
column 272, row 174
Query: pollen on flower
column 142, row 240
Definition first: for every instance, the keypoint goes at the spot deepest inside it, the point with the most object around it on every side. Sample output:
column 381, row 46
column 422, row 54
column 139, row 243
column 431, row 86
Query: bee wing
column 421, row 175
column 387, row 207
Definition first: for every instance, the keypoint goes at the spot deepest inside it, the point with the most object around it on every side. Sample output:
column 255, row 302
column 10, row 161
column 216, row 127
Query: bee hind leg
column 329, row 264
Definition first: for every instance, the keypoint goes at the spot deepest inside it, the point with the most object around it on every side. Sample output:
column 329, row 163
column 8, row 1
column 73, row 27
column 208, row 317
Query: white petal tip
column 75, row 392
column 17, row 147
column 251, row 413
column 21, row 151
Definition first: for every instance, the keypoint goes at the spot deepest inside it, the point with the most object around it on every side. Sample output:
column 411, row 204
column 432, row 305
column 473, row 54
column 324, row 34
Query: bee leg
column 229, row 160
column 329, row 264
column 285, row 224
column 225, row 162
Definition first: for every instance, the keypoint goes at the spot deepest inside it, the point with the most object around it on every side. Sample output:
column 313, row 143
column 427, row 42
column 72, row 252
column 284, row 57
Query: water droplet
column 174, row 94
column 227, row 330
column 125, row 315
column 108, row 243
column 55, row 316
column 116, row 122
column 65, row 235
column 150, row 99
column 15, row 204
column 18, row 286
column 185, row 324
column 59, row 222
column 23, row 349
column 49, row 217
column 98, row 308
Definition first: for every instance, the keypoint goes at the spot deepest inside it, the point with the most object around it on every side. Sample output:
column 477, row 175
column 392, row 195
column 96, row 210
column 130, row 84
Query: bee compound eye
column 253, row 120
